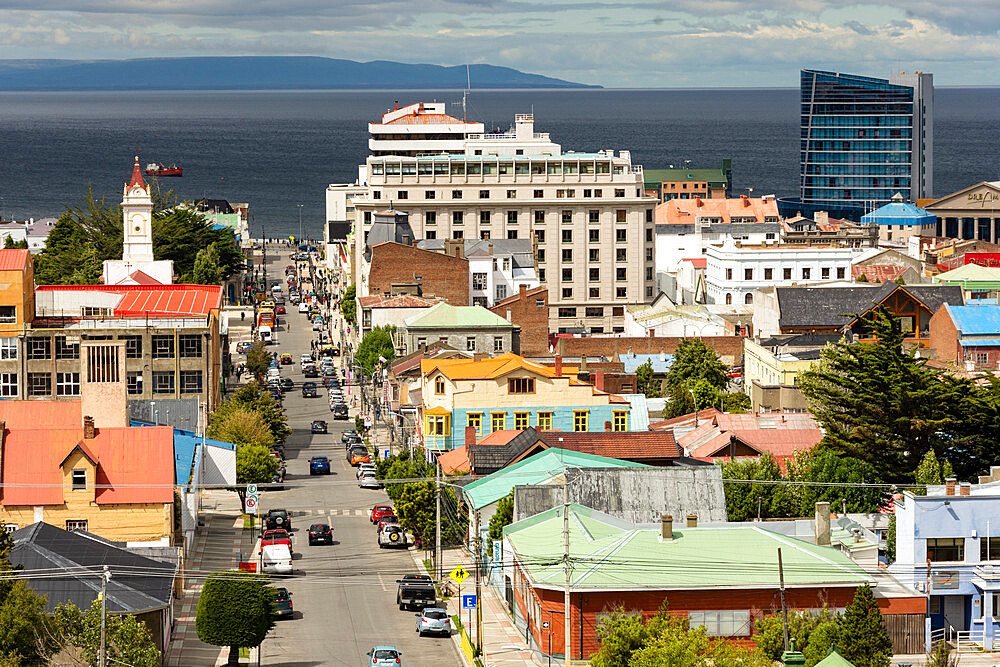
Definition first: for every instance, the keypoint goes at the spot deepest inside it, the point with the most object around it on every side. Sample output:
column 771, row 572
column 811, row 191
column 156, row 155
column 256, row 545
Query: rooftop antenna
column 468, row 85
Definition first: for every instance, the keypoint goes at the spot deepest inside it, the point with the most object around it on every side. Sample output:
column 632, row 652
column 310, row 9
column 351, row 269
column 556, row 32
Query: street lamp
column 300, row 223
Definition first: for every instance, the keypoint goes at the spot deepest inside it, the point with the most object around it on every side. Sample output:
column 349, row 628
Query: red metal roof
column 782, row 434
column 399, row 301
column 455, row 461
column 697, row 262
column 17, row 415
column 154, row 300
column 143, row 278
column 426, row 119
column 13, row 260
column 633, row 445
column 137, row 175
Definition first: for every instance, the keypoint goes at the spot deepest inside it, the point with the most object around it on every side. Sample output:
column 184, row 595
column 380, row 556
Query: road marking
column 381, row 582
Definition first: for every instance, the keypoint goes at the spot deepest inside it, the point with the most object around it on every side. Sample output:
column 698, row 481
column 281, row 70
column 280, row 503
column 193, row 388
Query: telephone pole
column 566, row 604
column 438, row 570
column 479, row 600
column 102, row 656
column 784, row 607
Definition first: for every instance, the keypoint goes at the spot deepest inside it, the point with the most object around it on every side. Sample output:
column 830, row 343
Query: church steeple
column 136, row 176
column 137, row 210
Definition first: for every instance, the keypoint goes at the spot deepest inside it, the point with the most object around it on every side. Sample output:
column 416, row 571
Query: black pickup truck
column 415, row 590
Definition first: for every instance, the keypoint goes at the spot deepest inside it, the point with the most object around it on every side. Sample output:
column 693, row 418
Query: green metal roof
column 446, row 316
column 834, row 659
column 971, row 277
column 610, row 554
column 541, row 468
column 713, row 176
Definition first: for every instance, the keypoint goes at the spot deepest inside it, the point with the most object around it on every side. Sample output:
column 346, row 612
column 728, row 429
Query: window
column 786, row 274
column 649, row 235
column 540, row 218
column 190, row 345
column 520, row 421
column 621, row 293
column 541, row 255
column 65, row 350
column 430, row 234
column 537, row 194
column 133, row 381
column 594, row 311
column 729, row 299
column 475, row 420
column 511, row 233
column 593, row 216
column 457, row 218
column 456, row 194
column 133, row 346
column 989, row 549
column 567, row 255
column 79, row 479
column 190, row 382
column 567, row 217
column 470, row 343
column 457, row 234
column 621, row 254
column 511, row 217
column 163, row 382
column 621, row 215
column 567, row 275
column 567, row 312
column 512, row 194
column 484, row 194
column 39, row 348
column 8, row 347
column 594, row 275
column 439, row 385
column 78, row 524
column 67, row 384
column 437, row 426
column 768, row 273
column 594, row 235
column 163, row 348
column 729, row 274
column 806, row 273
column 621, row 274
column 540, row 235
column 484, row 217
column 946, row 549
column 567, row 236
column 8, row 384
column 840, row 276
column 621, row 235
column 377, row 194
column 501, row 292
column 579, row 420
column 620, row 421
column 649, row 254
column 498, row 421
column 721, row 623
column 747, row 274
column 39, row 384
column 748, row 298
column 498, row 343
column 428, row 194
column 430, row 218
column 479, row 281
column 402, row 194
column 619, row 192
column 824, row 273
column 545, row 420
column 484, row 235
column 521, row 386
column 8, row 314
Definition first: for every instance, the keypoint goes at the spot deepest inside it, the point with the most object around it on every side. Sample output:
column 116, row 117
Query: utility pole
column 479, row 601
column 567, row 632
column 784, row 607
column 438, row 570
column 102, row 656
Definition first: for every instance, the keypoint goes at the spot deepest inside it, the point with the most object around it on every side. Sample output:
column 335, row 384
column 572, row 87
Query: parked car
column 276, row 536
column 279, row 309
column 384, row 656
column 368, row 480
column 433, row 619
column 286, row 358
column 391, row 535
column 283, row 603
column 318, row 426
column 278, row 519
column 319, row 465
column 348, row 434
column 309, row 390
column 364, row 468
column 286, row 384
column 329, row 371
column 320, row 533
column 310, row 371
column 379, row 511
column 243, row 347
column 339, row 411
column 387, row 520
column 416, row 590
column 276, row 558
column 360, row 456
column 303, row 307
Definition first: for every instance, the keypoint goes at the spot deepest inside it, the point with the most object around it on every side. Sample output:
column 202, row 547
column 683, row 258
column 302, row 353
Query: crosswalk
column 329, row 512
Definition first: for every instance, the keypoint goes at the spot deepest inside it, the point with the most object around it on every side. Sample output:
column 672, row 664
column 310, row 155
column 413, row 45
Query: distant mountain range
column 257, row 73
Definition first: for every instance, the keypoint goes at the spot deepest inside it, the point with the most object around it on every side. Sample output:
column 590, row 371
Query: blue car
column 319, row 465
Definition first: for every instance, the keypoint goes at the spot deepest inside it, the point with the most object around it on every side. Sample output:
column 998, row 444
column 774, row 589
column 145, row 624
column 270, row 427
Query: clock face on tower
column 137, row 191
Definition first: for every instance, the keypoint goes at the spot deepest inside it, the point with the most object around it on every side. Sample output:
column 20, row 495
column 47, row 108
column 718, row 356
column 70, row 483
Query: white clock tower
column 137, row 265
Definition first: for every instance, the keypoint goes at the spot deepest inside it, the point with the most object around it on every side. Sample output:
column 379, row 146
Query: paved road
column 344, row 595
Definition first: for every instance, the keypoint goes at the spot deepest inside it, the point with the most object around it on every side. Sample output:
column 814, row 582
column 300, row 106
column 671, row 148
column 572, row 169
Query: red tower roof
column 137, row 175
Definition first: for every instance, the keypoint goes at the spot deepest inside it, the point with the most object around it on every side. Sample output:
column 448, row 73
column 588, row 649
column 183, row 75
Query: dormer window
column 439, row 385
column 79, row 479
column 521, row 386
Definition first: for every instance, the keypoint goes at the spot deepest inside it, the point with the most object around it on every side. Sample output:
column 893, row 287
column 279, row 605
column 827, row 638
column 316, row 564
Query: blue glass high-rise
column 865, row 139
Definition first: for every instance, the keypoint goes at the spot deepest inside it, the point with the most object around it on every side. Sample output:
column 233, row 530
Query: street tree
column 254, row 465
column 814, row 634
column 258, row 361
column 376, row 343
column 255, row 398
column 235, row 609
column 863, row 637
column 127, row 640
column 348, row 305
column 206, row 266
column 693, row 361
column 241, row 427
column 503, row 516
column 645, row 382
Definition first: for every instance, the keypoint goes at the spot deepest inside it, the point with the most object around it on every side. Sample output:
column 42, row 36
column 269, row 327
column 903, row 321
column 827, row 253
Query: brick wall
column 730, row 348
column 440, row 275
column 524, row 311
column 943, row 337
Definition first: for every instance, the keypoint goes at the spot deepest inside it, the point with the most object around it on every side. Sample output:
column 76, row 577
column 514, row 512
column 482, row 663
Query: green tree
column 863, row 637
column 128, row 640
column 942, row 656
column 254, row 465
column 743, row 501
column 235, row 609
column 645, row 382
column 705, row 394
column 890, row 539
column 206, row 266
column 253, row 397
column 376, row 343
column 25, row 627
column 693, row 361
column 679, row 402
column 737, row 403
column 258, row 361
column 928, row 472
column 241, row 427
column 503, row 516
column 813, row 634
column 10, row 244
column 348, row 305
column 824, row 465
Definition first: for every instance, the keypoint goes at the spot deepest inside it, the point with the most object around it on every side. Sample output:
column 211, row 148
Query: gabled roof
column 455, row 461
column 781, row 434
column 541, row 468
column 154, row 300
column 494, row 367
column 446, row 316
column 607, row 553
column 143, row 278
column 14, row 260
column 971, row 276
column 137, row 583
column 830, row 307
column 398, row 301
column 977, row 320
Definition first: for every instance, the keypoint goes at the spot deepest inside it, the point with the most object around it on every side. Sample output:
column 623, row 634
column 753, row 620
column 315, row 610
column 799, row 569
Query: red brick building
column 967, row 336
column 730, row 348
column 403, row 269
column 529, row 309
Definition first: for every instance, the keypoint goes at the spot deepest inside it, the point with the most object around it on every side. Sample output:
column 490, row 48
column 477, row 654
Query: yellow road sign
column 459, row 574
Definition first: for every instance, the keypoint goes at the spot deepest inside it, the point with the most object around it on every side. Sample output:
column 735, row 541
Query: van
column 276, row 558
column 265, row 335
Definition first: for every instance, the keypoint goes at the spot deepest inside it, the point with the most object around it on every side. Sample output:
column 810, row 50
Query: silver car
column 369, row 481
column 366, row 469
column 433, row 619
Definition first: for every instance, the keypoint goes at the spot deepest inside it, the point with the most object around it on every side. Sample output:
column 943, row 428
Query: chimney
column 692, row 520
column 523, row 290
column 965, row 489
column 745, row 201
column 607, row 427
column 823, row 524
column 949, row 486
column 599, row 380
column 88, row 428
column 558, row 364
column 470, row 436
column 698, row 202
column 666, row 527
column 821, row 217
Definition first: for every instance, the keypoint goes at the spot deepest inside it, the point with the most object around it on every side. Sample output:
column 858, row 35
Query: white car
column 365, row 469
column 276, row 558
column 391, row 535
column 368, row 481
column 303, row 307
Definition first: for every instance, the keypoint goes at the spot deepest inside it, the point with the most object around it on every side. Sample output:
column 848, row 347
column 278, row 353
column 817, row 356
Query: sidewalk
column 498, row 626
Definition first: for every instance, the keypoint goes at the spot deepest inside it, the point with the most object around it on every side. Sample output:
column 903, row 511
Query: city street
column 344, row 595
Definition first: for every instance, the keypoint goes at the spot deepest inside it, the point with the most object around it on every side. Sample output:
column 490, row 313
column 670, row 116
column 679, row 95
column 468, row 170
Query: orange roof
column 399, row 301
column 14, row 260
column 18, row 415
column 143, row 278
column 782, row 434
column 134, row 464
column 427, row 119
column 154, row 300
column 455, row 461
column 137, row 175
column 877, row 273
column 498, row 438
column 684, row 211
column 494, row 367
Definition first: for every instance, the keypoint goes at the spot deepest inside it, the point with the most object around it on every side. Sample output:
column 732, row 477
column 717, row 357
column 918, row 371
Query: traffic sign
column 545, row 625
column 368, row 421
column 459, row 574
column 468, row 602
column 251, row 505
column 251, row 489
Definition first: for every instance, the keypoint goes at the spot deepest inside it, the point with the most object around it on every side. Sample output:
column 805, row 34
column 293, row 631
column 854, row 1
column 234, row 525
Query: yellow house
column 116, row 482
column 771, row 374
column 510, row 392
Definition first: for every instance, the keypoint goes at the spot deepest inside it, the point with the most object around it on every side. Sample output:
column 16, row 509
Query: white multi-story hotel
column 587, row 212
column 733, row 272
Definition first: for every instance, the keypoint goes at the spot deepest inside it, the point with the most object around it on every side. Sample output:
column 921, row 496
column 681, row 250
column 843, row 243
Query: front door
column 954, row 611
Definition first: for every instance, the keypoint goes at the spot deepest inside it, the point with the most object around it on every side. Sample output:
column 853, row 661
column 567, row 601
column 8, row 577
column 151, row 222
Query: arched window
column 748, row 299
column 729, row 299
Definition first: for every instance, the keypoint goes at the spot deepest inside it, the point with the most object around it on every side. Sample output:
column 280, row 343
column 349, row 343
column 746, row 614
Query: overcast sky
column 677, row 43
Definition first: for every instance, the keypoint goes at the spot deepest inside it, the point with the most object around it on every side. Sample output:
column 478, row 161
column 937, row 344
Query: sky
column 614, row 43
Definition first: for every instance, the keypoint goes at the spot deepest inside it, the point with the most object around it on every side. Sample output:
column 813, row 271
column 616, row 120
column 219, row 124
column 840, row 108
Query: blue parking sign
column 468, row 602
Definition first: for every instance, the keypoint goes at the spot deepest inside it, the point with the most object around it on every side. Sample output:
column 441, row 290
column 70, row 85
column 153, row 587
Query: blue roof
column 185, row 445
column 988, row 342
column 975, row 320
column 899, row 213
column 633, row 361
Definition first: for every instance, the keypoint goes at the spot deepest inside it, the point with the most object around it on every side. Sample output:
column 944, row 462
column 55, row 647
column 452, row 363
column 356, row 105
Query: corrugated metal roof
column 989, row 342
column 154, row 300
column 446, row 316
column 17, row 415
column 975, row 320
column 899, row 213
column 14, row 260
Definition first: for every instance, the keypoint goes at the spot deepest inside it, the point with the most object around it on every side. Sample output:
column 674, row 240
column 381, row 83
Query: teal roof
column 607, row 553
column 714, row 176
column 537, row 469
column 899, row 213
column 446, row 316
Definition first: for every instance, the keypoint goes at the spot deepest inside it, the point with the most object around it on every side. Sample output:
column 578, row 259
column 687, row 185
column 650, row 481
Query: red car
column 386, row 520
column 275, row 536
column 280, row 310
column 380, row 511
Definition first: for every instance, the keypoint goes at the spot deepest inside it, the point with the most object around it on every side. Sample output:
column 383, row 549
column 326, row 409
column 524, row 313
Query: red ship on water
column 157, row 169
